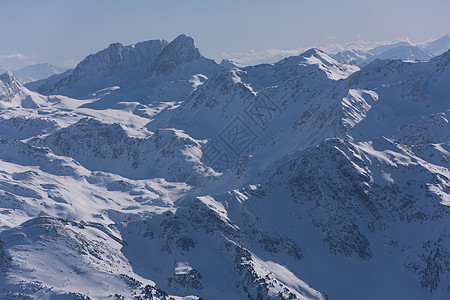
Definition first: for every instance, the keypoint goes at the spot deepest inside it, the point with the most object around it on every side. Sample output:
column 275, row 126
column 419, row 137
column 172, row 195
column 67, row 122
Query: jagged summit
column 181, row 49
column 118, row 58
column 7, row 77
column 103, row 69
column 140, row 67
column 14, row 94
column 9, row 87
column 177, row 53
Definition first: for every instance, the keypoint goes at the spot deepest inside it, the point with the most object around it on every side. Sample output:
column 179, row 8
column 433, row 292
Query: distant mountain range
column 151, row 172
column 400, row 50
column 35, row 72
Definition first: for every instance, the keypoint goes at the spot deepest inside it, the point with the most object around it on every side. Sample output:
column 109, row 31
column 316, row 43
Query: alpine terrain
column 151, row 172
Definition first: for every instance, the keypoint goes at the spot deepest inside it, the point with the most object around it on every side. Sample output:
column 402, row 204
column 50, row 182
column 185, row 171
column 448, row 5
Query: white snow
column 117, row 187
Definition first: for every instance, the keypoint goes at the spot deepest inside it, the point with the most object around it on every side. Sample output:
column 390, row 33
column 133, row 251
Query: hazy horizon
column 64, row 32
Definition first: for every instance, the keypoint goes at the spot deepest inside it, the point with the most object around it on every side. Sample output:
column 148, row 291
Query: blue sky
column 63, row 32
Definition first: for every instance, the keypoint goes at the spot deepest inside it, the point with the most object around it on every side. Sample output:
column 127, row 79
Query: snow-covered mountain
column 353, row 57
column 148, row 71
column 36, row 72
column 12, row 93
column 158, row 174
column 404, row 52
column 438, row 46
column 398, row 50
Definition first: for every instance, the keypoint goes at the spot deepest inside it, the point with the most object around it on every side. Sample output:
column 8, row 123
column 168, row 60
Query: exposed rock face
column 9, row 87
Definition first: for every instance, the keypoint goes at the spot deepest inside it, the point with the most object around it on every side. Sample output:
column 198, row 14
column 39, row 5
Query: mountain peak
column 315, row 57
column 115, row 48
column 229, row 64
column 181, row 49
column 115, row 45
column 314, row 54
column 183, row 38
column 7, row 77
column 178, row 52
column 9, row 87
column 305, row 57
column 312, row 51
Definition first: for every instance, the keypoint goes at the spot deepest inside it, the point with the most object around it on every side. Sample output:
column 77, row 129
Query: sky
column 63, row 32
